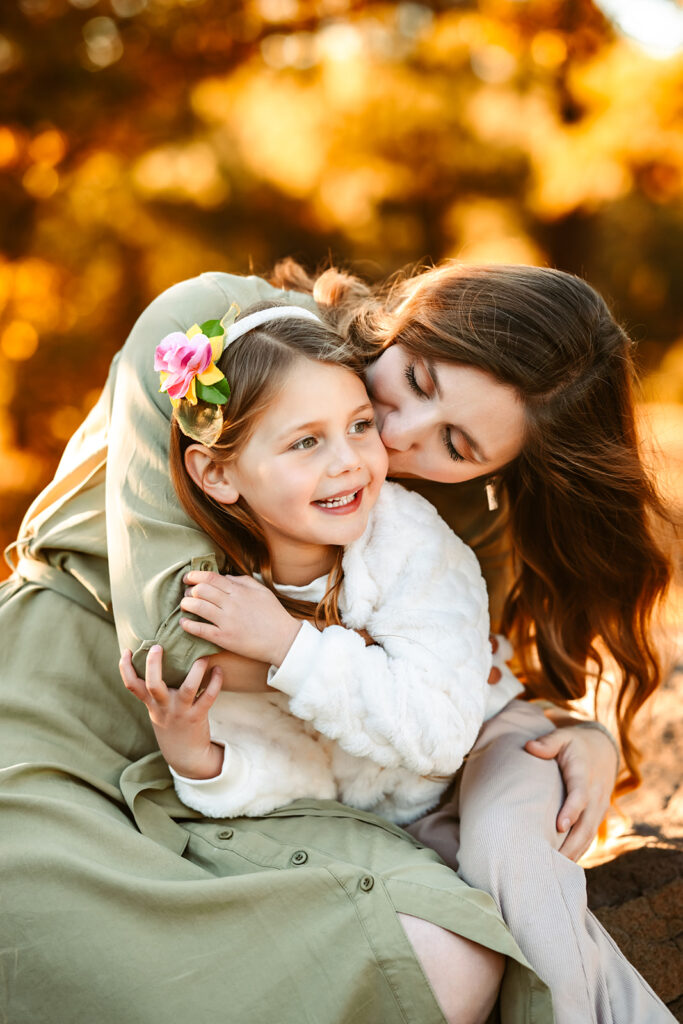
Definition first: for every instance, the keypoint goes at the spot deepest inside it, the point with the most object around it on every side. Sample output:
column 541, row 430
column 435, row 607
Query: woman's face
column 443, row 421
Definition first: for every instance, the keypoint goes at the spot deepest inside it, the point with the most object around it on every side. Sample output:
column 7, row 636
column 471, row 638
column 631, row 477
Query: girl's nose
column 345, row 459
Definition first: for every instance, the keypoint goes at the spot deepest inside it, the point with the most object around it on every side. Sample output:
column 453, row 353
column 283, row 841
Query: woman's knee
column 465, row 976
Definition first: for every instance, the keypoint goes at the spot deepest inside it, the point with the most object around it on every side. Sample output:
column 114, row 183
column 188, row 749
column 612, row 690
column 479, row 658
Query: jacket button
column 226, row 833
column 300, row 857
column 367, row 882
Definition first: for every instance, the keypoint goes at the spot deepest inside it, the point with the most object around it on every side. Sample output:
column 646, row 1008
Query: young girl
column 291, row 485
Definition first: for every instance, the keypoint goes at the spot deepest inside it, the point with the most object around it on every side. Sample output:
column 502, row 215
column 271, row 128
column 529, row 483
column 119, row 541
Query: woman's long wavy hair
column 589, row 572
column 256, row 366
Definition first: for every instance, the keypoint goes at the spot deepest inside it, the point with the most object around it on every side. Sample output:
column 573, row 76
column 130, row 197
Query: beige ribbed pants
column 498, row 832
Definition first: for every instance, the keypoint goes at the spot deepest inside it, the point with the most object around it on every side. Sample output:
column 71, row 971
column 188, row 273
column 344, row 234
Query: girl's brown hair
column 588, row 570
column 256, row 366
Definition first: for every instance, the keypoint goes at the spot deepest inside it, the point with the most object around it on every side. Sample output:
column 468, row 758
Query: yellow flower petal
column 216, row 348
column 163, row 377
column 191, row 395
column 195, row 329
column 211, row 375
column 175, row 402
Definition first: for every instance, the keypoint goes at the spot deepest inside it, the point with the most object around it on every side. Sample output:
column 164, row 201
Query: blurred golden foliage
column 144, row 141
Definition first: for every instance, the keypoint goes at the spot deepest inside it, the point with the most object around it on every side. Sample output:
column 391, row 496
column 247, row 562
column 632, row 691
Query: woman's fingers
column 580, row 838
column 553, row 745
column 547, row 746
column 573, row 807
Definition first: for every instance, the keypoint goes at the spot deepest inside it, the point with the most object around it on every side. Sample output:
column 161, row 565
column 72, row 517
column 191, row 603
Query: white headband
column 264, row 316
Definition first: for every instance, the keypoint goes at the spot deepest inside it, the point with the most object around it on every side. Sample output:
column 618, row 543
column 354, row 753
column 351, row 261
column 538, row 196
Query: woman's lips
column 341, row 505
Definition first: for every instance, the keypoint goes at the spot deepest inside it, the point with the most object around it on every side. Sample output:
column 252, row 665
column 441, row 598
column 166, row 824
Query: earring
column 491, row 496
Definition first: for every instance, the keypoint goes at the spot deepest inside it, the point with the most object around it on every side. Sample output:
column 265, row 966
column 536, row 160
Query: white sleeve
column 268, row 762
column 417, row 700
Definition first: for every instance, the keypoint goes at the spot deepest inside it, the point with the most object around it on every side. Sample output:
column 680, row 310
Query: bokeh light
column 144, row 141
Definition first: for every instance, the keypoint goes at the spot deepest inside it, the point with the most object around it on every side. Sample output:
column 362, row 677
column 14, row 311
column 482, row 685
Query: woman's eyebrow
column 431, row 370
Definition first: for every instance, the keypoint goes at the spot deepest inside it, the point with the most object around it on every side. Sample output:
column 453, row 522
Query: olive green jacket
column 131, row 569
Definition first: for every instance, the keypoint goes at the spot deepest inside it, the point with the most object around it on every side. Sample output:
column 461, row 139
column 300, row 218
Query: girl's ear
column 212, row 477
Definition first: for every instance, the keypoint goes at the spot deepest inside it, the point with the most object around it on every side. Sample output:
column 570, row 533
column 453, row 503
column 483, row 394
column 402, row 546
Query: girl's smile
column 341, row 504
column 311, row 470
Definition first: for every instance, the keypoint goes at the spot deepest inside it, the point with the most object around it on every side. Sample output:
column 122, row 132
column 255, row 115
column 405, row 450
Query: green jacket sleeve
column 151, row 541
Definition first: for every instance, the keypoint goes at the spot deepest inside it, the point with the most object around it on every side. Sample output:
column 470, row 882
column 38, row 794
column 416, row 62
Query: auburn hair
column 256, row 366
column 589, row 572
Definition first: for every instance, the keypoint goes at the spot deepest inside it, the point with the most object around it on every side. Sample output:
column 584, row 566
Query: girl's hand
column 588, row 762
column 241, row 615
column 179, row 717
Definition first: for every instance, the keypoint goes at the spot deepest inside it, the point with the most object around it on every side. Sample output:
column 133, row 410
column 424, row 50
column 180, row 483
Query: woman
column 138, row 924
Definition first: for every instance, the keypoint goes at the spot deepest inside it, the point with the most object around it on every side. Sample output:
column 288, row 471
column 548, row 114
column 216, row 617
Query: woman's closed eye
column 409, row 374
column 450, row 447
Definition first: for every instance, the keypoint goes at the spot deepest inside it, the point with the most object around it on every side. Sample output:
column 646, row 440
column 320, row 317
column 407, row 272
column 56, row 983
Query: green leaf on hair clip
column 211, row 328
column 215, row 394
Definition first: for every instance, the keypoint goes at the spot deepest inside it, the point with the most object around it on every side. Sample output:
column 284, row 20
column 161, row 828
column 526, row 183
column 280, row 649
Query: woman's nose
column 401, row 432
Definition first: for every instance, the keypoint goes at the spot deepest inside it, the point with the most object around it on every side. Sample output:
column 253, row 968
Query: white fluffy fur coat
column 384, row 727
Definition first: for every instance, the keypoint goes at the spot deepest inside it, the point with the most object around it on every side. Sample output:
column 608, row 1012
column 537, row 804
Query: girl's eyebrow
column 312, row 424
column 478, row 453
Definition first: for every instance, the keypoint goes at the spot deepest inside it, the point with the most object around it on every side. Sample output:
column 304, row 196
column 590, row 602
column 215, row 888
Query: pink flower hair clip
column 190, row 377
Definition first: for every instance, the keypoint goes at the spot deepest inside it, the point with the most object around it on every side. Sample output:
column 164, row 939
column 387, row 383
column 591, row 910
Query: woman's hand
column 179, row 717
column 588, row 762
column 241, row 615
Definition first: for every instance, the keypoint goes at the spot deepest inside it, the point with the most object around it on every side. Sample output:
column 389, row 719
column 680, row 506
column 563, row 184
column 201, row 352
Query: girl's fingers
column 205, row 609
column 204, row 630
column 195, row 578
column 215, row 686
column 155, row 684
column 129, row 675
column 214, row 595
column 188, row 690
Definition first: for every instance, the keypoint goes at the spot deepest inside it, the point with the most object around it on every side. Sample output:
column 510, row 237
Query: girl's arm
column 260, row 759
column 180, row 718
column 416, row 698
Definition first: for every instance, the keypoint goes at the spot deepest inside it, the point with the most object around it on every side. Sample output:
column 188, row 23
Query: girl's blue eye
column 305, row 443
column 362, row 426
column 409, row 374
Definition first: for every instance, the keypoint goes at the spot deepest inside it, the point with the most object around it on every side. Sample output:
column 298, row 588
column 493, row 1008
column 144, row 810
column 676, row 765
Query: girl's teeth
column 335, row 502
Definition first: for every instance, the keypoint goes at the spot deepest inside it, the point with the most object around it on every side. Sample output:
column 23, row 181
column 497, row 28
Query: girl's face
column 313, row 467
column 443, row 421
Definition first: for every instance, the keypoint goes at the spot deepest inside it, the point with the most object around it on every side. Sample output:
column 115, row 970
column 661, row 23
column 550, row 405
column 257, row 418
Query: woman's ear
column 211, row 476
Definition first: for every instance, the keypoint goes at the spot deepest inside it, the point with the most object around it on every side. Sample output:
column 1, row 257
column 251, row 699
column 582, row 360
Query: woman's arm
column 152, row 543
